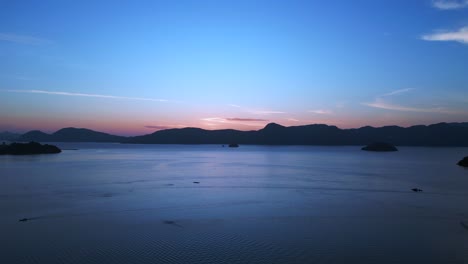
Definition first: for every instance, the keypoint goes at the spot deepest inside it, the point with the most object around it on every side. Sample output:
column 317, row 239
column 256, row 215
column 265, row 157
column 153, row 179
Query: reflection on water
column 114, row 203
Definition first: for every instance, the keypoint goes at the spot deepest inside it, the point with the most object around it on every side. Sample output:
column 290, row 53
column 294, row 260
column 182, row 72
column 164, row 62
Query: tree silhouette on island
column 28, row 149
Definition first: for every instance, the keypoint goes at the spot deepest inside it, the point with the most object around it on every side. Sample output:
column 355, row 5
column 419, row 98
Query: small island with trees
column 30, row 148
column 463, row 162
column 380, row 147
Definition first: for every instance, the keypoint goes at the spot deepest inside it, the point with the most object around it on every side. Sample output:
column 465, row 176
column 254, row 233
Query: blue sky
column 132, row 67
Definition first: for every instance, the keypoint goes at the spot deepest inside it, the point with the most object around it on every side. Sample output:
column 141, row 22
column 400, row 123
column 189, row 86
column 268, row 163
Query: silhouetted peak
column 273, row 126
column 34, row 135
column 192, row 129
column 71, row 130
column 35, row 132
column 178, row 130
column 71, row 134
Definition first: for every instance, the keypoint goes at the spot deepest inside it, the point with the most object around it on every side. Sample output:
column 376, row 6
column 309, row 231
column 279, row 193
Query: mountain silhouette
column 441, row 134
column 70, row 134
column 83, row 135
column 192, row 135
column 35, row 135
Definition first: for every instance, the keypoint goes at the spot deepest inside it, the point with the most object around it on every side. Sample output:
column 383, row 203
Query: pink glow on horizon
column 142, row 127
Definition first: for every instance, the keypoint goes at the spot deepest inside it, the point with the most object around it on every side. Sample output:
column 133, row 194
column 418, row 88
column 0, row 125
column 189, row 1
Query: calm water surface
column 113, row 203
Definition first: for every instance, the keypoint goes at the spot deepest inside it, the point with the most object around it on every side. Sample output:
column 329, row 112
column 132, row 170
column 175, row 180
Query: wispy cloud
column 450, row 4
column 380, row 102
column 321, row 112
column 23, row 39
column 293, row 119
column 246, row 119
column 396, row 92
column 158, row 127
column 234, row 105
column 215, row 119
column 222, row 121
column 86, row 95
column 460, row 35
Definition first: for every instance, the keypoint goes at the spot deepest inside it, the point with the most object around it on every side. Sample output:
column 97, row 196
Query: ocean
column 122, row 203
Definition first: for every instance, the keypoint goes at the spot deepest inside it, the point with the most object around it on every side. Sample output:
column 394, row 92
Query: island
column 380, row 147
column 463, row 162
column 233, row 145
column 30, row 148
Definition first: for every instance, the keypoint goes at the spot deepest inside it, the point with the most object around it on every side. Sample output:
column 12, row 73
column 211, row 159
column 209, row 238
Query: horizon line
column 171, row 128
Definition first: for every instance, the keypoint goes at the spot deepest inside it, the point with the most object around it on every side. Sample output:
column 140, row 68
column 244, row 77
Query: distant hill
column 70, row 135
column 195, row 136
column 84, row 135
column 442, row 134
column 8, row 136
column 35, row 135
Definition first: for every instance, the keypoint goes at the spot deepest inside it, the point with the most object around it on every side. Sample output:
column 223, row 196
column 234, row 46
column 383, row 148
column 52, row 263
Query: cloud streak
column 320, row 112
column 214, row 119
column 380, row 103
column 450, row 4
column 460, row 35
column 23, row 39
column 86, row 95
column 396, row 92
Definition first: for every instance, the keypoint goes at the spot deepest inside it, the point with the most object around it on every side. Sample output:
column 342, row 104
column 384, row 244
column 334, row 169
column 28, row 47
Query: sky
column 135, row 67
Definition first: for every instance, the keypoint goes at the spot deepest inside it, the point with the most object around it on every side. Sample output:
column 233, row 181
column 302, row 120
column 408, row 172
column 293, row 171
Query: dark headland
column 463, row 162
column 442, row 134
column 28, row 149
